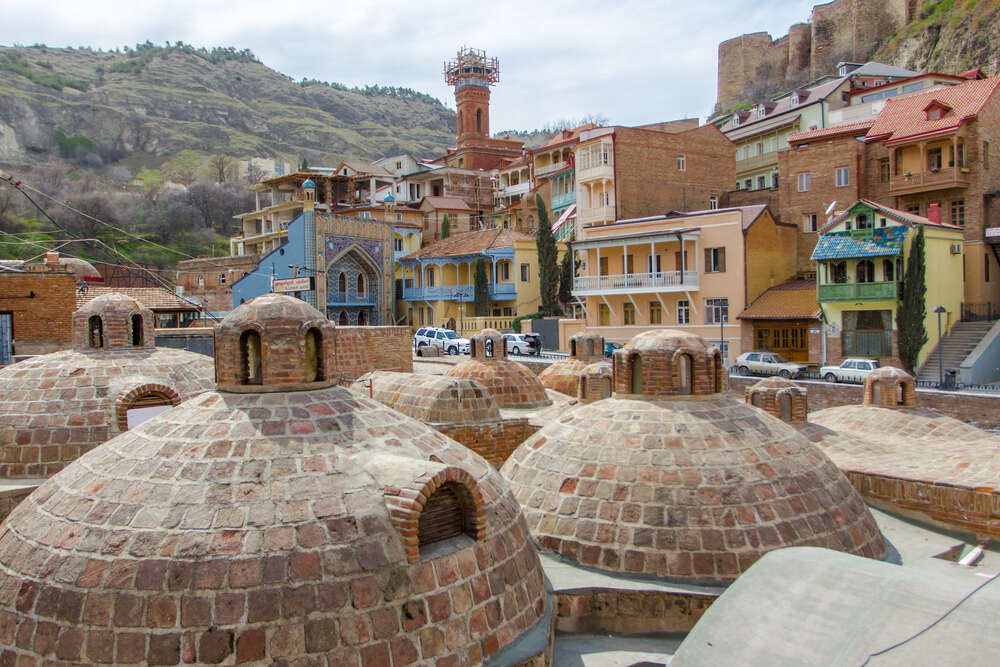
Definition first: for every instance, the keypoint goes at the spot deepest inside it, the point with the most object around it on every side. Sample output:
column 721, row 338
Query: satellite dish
column 829, row 209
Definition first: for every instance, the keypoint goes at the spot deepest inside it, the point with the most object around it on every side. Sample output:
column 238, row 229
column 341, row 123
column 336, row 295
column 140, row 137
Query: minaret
column 309, row 213
column 472, row 73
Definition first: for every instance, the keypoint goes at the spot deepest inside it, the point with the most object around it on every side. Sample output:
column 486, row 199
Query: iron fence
column 980, row 312
column 947, row 385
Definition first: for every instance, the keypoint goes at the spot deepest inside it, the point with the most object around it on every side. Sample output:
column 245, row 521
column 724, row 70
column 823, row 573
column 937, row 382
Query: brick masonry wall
column 980, row 410
column 359, row 350
column 628, row 612
column 9, row 498
column 494, row 442
column 43, row 323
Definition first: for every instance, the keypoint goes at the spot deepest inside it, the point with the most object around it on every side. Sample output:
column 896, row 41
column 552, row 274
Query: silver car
column 767, row 363
column 849, row 370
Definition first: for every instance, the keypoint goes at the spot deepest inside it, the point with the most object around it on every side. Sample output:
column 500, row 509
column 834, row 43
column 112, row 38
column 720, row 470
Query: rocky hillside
column 144, row 105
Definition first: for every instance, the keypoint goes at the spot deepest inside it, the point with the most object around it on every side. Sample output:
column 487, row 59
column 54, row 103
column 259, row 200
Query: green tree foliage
column 566, row 274
column 482, row 289
column 548, row 257
column 445, row 227
column 912, row 309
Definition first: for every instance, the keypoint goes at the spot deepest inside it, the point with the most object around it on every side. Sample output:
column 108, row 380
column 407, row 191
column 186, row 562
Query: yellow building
column 693, row 271
column 438, row 280
column 861, row 259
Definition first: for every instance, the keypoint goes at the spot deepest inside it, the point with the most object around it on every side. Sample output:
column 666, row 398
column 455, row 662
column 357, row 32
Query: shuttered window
column 445, row 514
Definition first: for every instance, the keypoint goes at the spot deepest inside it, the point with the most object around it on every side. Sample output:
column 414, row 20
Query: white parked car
column 446, row 339
column 517, row 343
column 767, row 363
column 849, row 370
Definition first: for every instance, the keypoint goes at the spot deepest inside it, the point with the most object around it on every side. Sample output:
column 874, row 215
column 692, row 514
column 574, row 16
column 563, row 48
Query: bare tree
column 220, row 164
column 254, row 173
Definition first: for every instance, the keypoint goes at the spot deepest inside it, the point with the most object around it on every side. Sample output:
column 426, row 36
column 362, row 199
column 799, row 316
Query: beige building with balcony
column 692, row 271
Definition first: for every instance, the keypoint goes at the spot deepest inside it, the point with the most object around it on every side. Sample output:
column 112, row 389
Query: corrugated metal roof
column 884, row 242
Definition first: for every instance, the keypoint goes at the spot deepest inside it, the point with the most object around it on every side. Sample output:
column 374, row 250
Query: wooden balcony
column 941, row 179
column 877, row 291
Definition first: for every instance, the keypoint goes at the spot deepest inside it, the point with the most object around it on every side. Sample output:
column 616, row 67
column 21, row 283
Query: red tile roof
column 905, row 118
column 154, row 298
column 860, row 127
column 470, row 243
column 794, row 300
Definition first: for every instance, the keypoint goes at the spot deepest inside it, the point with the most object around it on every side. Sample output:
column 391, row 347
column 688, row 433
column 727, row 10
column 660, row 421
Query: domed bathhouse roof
column 268, row 526
column 671, row 478
column 563, row 375
column 512, row 384
column 54, row 407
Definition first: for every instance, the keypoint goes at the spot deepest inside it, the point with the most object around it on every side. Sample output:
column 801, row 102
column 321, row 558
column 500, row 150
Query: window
column 137, row 330
column 430, row 277
column 681, row 163
column 525, row 273
column 958, row 212
column 201, row 281
column 986, row 267
column 887, row 270
column 95, row 329
column 314, row 355
column 864, row 272
column 794, row 101
column 915, row 209
column 759, row 148
column 761, row 182
column 934, row 159
column 603, row 266
column 809, row 223
column 867, row 333
column 883, row 170
column 655, row 313
column 804, row 182
column 838, row 272
column 399, row 217
column 683, row 312
column 774, row 179
column 504, row 271
column 479, row 121
column 843, row 180
column 508, row 312
column 934, row 114
column 716, row 310
column 447, row 514
column 222, row 278
column 748, row 184
column 603, row 315
column 628, row 314
column 628, row 264
column 677, row 261
column 715, row 260
column 713, row 202
column 250, row 369
column 862, row 221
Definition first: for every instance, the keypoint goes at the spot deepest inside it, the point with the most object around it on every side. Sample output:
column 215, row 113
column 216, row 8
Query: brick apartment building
column 36, row 311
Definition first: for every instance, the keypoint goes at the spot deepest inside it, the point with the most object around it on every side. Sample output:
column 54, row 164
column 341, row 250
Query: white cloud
column 633, row 62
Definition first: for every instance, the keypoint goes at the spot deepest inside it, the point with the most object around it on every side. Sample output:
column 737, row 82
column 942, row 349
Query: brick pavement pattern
column 694, row 487
column 512, row 384
column 265, row 527
column 57, row 406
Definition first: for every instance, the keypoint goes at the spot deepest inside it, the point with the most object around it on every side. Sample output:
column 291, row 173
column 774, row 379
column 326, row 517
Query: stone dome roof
column 595, row 381
column 779, row 398
column 667, row 340
column 269, row 527
column 563, row 375
column 668, row 363
column 511, row 384
column 890, row 387
column 689, row 489
column 112, row 321
column 431, row 399
column 82, row 269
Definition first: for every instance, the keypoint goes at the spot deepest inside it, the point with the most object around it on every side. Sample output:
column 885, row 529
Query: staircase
column 954, row 348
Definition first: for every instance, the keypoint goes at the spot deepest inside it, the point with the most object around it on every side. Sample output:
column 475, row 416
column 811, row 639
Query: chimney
column 52, row 260
column 934, row 213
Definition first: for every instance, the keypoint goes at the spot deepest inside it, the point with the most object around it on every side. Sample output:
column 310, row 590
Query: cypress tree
column 912, row 309
column 566, row 277
column 481, row 294
column 548, row 256
column 445, row 227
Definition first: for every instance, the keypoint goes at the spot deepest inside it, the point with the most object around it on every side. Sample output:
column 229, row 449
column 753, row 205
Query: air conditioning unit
column 956, row 248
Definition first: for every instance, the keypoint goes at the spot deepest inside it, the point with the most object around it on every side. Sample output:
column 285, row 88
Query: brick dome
column 890, row 387
column 512, row 384
column 563, row 375
column 266, row 527
column 274, row 342
column 595, row 382
column 779, row 398
column 668, row 362
column 693, row 487
column 431, row 399
column 54, row 407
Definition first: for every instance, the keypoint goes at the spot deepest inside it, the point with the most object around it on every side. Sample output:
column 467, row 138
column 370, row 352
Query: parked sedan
column 849, row 370
column 527, row 343
column 767, row 363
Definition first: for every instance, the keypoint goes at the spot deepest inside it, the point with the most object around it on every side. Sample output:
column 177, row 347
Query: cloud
column 633, row 62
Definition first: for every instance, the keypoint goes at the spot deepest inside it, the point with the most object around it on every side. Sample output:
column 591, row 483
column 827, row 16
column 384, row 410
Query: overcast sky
column 632, row 62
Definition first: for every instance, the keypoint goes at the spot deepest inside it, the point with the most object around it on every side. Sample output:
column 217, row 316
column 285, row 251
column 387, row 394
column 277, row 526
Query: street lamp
column 458, row 296
column 722, row 334
column 939, row 310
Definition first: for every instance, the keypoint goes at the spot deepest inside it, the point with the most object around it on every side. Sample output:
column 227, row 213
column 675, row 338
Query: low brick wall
column 628, row 612
column 494, row 442
column 359, row 350
column 977, row 409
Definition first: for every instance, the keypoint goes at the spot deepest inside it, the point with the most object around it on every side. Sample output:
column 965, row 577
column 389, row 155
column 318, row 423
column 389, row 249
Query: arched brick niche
column 780, row 398
column 488, row 345
column 890, row 387
column 112, row 322
column 667, row 362
column 564, row 375
column 145, row 395
column 274, row 343
column 586, row 346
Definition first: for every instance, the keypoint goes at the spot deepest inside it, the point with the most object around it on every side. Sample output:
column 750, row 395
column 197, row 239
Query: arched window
column 876, row 393
column 636, row 368
column 145, row 407
column 342, row 320
column 887, row 267
column 900, row 394
column 572, row 348
column 447, row 514
column 865, row 271
column 459, row 123
column 361, row 283
column 685, row 374
column 489, row 347
column 786, row 407
column 95, row 332
column 250, row 364
column 607, row 387
column 590, row 348
column 362, row 319
column 314, row 355
column 342, row 283
column 479, row 121
column 137, row 330
column 583, row 387
column 755, row 399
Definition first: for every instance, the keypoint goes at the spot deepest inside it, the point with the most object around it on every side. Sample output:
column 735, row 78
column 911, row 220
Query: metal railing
column 631, row 281
column 980, row 312
column 949, row 384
